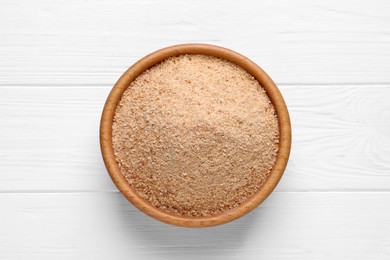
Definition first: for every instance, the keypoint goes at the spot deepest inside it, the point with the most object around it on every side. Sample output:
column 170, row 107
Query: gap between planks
column 105, row 86
column 117, row 191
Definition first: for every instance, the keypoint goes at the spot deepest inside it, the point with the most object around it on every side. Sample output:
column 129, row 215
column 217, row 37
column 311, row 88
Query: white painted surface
column 59, row 60
column 292, row 225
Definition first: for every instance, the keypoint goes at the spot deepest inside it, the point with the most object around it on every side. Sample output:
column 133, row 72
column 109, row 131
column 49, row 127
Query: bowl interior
column 220, row 52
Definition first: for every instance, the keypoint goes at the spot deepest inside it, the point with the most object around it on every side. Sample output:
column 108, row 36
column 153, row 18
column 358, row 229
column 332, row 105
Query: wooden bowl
column 156, row 57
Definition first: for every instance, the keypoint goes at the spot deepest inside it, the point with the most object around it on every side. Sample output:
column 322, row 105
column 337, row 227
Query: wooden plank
column 303, row 225
column 91, row 43
column 49, row 139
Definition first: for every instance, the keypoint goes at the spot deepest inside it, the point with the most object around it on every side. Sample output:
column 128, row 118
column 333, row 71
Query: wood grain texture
column 288, row 225
column 59, row 60
column 91, row 43
column 49, row 139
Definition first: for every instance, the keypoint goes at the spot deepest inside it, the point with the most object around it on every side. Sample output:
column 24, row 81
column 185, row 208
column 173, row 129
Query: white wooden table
column 59, row 60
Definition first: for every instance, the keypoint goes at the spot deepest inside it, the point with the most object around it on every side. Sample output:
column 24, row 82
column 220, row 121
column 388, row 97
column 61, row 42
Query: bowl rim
column 206, row 49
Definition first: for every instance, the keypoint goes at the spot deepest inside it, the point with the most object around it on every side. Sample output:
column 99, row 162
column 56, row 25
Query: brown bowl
column 156, row 57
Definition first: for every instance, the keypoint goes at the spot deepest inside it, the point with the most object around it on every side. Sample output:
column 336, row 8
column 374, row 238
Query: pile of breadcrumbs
column 195, row 135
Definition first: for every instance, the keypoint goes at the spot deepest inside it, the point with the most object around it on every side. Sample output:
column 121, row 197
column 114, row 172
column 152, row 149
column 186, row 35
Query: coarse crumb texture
column 195, row 135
